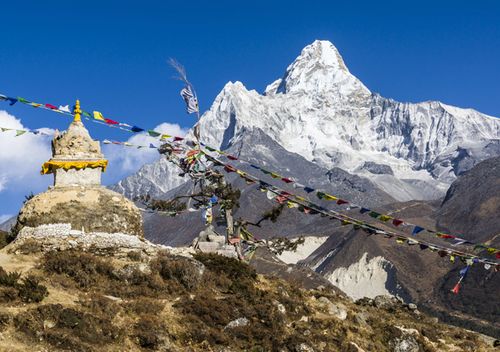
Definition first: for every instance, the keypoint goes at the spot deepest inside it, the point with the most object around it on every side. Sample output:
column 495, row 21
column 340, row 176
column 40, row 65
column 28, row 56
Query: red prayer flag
column 177, row 139
column 50, row 106
column 230, row 157
column 456, row 288
column 397, row 222
column 229, row 168
column 341, row 201
column 286, row 179
column 111, row 122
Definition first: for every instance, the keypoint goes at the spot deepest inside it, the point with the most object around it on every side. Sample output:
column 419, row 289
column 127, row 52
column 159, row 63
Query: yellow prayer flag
column 98, row 116
column 384, row 217
column 329, row 197
column 165, row 136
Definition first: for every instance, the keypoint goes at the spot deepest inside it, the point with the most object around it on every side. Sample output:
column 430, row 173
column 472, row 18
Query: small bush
column 148, row 332
column 85, row 269
column 8, row 294
column 4, row 320
column 145, row 306
column 9, row 279
column 72, row 329
column 179, row 269
column 134, row 255
column 232, row 268
column 30, row 290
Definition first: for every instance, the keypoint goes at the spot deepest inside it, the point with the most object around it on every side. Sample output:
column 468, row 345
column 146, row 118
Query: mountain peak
column 323, row 52
column 319, row 68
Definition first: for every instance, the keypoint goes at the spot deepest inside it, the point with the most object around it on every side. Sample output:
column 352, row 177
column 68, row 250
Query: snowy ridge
column 322, row 112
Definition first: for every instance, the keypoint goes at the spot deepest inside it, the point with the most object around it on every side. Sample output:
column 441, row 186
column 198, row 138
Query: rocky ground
column 77, row 298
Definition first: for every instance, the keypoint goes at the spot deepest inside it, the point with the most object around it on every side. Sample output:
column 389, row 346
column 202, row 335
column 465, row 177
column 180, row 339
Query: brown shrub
column 101, row 306
column 8, row 294
column 9, row 279
column 4, row 320
column 184, row 271
column 136, row 256
column 149, row 332
column 30, row 290
column 71, row 328
column 144, row 306
column 85, row 269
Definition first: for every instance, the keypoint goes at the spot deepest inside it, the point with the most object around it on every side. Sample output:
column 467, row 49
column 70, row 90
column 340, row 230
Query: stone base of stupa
column 86, row 208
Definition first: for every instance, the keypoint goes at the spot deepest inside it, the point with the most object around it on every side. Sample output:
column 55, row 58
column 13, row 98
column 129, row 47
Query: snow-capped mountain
column 322, row 112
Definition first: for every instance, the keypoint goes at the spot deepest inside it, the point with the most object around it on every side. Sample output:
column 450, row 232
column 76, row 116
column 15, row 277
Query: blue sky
column 112, row 55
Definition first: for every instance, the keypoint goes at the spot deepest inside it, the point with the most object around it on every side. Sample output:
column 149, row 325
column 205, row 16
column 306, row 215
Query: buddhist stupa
column 77, row 197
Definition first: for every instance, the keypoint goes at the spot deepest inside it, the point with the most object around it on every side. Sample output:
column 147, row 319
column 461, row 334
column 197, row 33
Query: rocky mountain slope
column 322, row 112
column 362, row 265
column 60, row 300
column 253, row 146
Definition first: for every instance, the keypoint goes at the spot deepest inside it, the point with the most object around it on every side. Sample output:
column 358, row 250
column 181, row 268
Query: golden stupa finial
column 77, row 111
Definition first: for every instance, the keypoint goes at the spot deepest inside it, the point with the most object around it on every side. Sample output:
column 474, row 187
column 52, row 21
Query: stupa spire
column 77, row 112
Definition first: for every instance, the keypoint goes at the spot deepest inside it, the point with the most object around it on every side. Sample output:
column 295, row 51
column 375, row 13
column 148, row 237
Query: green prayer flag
column 20, row 132
column 154, row 133
column 22, row 100
column 374, row 214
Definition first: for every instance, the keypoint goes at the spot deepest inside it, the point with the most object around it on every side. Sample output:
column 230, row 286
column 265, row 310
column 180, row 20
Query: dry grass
column 175, row 305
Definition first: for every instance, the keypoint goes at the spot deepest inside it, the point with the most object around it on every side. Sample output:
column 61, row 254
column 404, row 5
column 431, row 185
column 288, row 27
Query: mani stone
column 77, row 197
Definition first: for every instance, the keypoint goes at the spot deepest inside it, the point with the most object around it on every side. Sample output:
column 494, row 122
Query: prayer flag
column 384, row 217
column 341, row 201
column 364, row 210
column 22, row 100
column 397, row 222
column 374, row 214
column 229, row 168
column 111, row 122
column 98, row 116
column 308, row 189
column 20, row 132
column 64, row 108
column 12, row 101
column 230, row 157
column 443, row 235
column 190, row 99
column 456, row 288
column 463, row 271
column 154, row 133
column 178, row 139
column 136, row 129
column 165, row 136
column 3, row 97
column 84, row 113
column 286, row 180
column 417, row 229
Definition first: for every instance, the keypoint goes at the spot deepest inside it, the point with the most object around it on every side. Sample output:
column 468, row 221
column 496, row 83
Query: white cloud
column 21, row 157
column 125, row 160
